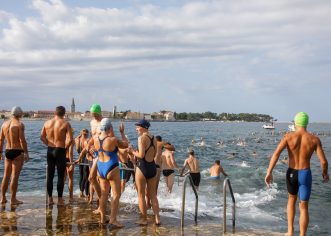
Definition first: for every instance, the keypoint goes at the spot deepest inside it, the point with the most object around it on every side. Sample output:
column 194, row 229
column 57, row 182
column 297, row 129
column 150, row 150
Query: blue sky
column 269, row 57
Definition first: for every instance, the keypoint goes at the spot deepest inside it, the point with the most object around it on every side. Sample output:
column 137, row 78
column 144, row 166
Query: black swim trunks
column 166, row 173
column 196, row 178
column 11, row 154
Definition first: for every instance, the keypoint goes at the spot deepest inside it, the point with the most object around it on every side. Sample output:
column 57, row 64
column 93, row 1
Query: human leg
column 85, row 182
column 304, row 217
column 151, row 189
column 115, row 197
column 104, row 187
column 5, row 179
column 71, row 183
column 81, row 179
column 17, row 164
column 61, row 164
column 51, row 163
column 171, row 180
column 291, row 213
column 141, row 185
column 93, row 178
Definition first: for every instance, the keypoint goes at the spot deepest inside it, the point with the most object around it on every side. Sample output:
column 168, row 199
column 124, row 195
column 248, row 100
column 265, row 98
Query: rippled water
column 257, row 206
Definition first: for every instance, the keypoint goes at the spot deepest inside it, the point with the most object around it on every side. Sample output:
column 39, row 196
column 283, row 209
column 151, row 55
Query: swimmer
column 168, row 165
column 56, row 134
column 12, row 131
column 300, row 146
column 194, row 168
column 216, row 169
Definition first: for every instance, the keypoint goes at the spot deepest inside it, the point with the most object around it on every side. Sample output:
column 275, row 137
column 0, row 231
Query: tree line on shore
column 248, row 117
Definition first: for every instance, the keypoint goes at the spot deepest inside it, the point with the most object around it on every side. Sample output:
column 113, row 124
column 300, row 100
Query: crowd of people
column 107, row 163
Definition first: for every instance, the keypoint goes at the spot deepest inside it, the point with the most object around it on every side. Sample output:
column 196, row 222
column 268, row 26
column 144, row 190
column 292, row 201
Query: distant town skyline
column 266, row 57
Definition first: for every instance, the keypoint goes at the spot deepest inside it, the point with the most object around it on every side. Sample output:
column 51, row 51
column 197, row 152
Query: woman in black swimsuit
column 146, row 171
column 16, row 152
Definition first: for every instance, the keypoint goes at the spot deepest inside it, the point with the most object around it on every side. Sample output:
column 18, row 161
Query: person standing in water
column 194, row 168
column 168, row 165
column 216, row 170
column 12, row 131
column 146, row 171
column 300, row 146
column 54, row 135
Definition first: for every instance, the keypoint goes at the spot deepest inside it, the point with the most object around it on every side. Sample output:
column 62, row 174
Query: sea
column 244, row 150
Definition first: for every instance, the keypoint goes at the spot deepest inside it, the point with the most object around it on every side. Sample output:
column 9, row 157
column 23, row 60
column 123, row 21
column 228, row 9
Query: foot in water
column 115, row 224
column 15, row 202
column 157, row 220
column 3, row 200
column 50, row 201
column 142, row 222
column 97, row 211
column 60, row 201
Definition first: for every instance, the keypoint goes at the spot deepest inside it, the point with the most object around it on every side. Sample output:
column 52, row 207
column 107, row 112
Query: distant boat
column 291, row 127
column 268, row 126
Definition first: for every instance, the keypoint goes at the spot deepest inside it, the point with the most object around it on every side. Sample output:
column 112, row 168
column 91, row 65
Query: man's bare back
column 56, row 130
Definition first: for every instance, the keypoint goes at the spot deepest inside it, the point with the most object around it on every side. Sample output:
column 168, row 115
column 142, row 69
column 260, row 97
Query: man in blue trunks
column 300, row 146
column 216, row 170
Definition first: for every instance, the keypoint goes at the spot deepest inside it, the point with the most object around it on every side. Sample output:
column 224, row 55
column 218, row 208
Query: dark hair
column 191, row 152
column 218, row 162
column 158, row 138
column 60, row 111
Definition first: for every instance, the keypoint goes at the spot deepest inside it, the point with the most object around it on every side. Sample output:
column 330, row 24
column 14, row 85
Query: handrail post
column 227, row 183
column 183, row 201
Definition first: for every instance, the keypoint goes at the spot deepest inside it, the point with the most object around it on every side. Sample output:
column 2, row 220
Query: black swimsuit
column 11, row 154
column 147, row 168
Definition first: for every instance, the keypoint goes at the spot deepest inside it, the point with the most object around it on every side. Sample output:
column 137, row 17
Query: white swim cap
column 105, row 124
column 16, row 111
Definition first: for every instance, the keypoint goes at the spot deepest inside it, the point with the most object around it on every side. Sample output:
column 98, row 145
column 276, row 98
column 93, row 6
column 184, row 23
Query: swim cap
column 301, row 119
column 143, row 123
column 105, row 124
column 16, row 111
column 95, row 108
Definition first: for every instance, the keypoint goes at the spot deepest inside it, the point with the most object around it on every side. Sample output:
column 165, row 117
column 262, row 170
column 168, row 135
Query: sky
column 269, row 57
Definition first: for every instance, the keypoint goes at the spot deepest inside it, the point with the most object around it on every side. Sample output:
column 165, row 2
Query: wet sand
column 76, row 218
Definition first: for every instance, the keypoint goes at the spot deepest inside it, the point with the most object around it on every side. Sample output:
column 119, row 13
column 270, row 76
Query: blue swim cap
column 105, row 124
column 143, row 123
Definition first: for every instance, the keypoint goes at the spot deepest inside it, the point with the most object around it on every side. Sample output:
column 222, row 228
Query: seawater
column 256, row 205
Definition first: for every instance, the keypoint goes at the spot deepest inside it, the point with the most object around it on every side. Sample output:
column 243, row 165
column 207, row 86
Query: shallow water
column 257, row 206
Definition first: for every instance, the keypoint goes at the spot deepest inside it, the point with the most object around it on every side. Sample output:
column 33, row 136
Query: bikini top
column 111, row 154
column 151, row 139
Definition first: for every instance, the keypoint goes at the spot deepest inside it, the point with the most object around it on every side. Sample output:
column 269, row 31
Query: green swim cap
column 301, row 119
column 95, row 108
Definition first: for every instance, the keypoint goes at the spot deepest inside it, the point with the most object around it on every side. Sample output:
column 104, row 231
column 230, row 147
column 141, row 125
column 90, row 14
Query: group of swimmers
column 107, row 162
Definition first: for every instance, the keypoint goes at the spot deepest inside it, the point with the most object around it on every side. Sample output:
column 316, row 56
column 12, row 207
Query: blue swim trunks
column 299, row 182
column 215, row 177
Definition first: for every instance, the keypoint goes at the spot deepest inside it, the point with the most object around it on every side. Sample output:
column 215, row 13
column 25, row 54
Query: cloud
column 257, row 47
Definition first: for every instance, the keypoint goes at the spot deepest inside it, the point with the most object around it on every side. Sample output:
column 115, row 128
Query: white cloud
column 258, row 45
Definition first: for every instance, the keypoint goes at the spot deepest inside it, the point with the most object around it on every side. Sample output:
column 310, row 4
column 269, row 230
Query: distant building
column 73, row 107
column 134, row 116
column 148, row 116
column 44, row 114
column 5, row 114
column 169, row 115
column 114, row 112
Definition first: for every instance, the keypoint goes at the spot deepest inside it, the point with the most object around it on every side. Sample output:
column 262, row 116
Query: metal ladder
column 225, row 184
column 188, row 177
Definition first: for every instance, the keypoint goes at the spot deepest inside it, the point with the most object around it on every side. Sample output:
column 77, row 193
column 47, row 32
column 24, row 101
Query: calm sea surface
column 257, row 206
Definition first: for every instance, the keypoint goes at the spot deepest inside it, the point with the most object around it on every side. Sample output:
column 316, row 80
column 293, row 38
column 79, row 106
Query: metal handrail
column 183, row 200
column 227, row 183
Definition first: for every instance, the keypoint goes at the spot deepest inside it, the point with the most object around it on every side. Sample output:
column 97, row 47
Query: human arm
column 275, row 156
column 69, row 136
column 141, row 149
column 223, row 172
column 2, row 140
column 43, row 136
column 77, row 142
column 323, row 161
column 173, row 161
column 23, row 142
column 184, row 166
column 124, row 143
